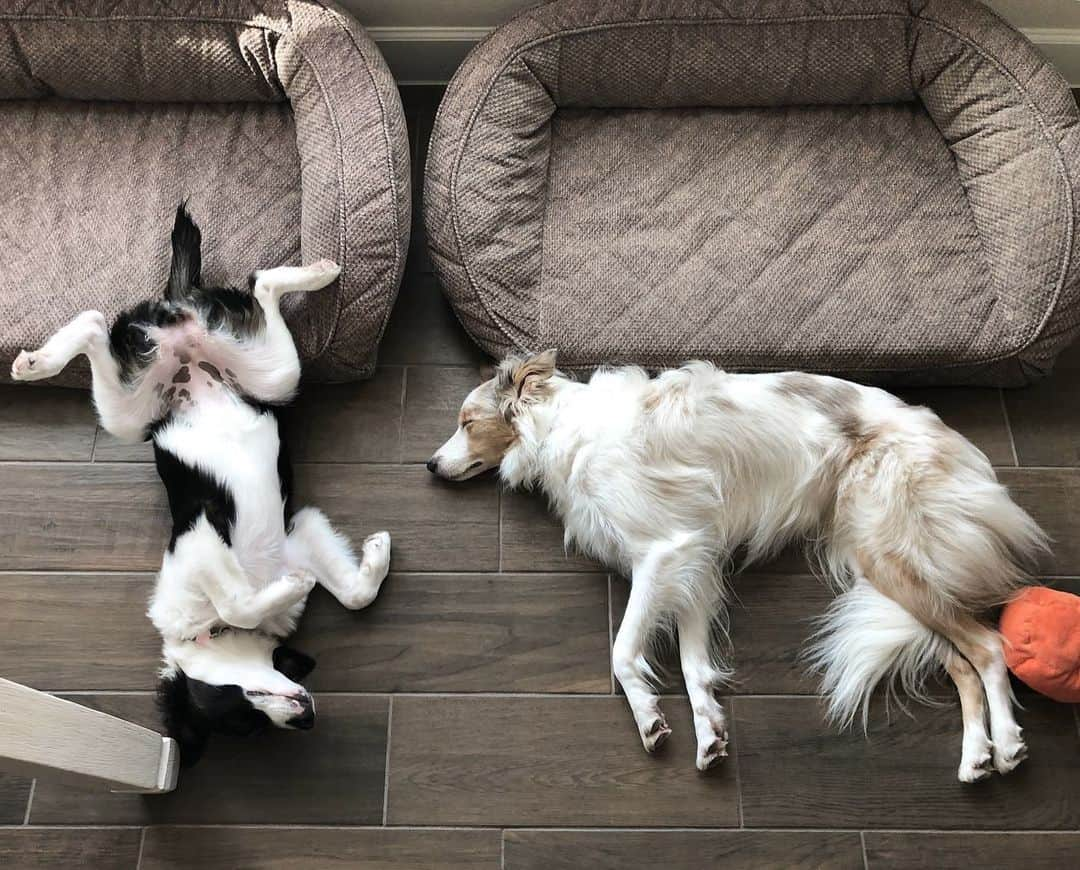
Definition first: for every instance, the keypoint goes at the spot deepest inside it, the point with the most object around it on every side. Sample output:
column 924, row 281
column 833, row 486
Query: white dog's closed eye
column 664, row 478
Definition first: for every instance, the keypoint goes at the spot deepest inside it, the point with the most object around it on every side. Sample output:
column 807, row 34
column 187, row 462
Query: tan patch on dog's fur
column 489, row 438
column 835, row 400
column 489, row 433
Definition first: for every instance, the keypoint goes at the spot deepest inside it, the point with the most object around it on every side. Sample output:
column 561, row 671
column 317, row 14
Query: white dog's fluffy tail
column 865, row 638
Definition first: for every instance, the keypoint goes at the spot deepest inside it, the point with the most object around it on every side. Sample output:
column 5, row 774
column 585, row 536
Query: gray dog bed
column 277, row 120
column 883, row 189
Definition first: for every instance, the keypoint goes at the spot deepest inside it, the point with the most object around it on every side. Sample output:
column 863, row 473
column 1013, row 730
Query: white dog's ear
column 521, row 380
column 530, row 375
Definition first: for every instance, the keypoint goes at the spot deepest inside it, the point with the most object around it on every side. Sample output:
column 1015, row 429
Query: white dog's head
column 486, row 430
column 235, row 683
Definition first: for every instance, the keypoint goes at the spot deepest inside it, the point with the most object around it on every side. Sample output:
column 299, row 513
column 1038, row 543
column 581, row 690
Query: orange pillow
column 1041, row 628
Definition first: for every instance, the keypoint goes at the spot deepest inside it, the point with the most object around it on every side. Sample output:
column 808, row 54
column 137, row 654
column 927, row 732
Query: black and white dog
column 199, row 373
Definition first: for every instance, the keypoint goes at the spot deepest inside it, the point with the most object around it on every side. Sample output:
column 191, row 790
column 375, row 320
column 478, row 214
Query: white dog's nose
column 433, row 465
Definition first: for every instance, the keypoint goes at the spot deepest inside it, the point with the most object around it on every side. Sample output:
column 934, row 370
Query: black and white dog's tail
column 184, row 273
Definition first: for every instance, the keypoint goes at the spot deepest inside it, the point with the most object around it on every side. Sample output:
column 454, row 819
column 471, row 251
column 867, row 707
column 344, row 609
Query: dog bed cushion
column 884, row 189
column 278, row 122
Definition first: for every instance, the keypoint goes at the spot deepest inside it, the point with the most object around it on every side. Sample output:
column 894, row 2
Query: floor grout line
column 388, row 464
column 862, row 840
column 486, row 573
column 1008, row 429
column 610, row 637
column 450, row 694
column 30, row 801
column 738, row 771
column 401, row 419
column 142, row 842
column 548, row 829
column 386, row 775
column 93, row 445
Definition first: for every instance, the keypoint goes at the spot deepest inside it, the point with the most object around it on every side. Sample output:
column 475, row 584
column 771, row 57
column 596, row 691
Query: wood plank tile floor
column 469, row 718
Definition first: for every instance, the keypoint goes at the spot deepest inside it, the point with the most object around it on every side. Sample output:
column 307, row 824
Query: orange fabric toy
column 1041, row 628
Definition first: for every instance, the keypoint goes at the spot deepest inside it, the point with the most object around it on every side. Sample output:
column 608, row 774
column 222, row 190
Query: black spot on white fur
column 292, row 663
column 192, row 494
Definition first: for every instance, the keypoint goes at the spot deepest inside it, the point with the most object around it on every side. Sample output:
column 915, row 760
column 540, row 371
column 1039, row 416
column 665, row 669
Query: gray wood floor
column 469, row 718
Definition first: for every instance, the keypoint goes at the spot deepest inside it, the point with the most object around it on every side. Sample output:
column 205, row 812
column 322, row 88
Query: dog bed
column 883, row 189
column 279, row 123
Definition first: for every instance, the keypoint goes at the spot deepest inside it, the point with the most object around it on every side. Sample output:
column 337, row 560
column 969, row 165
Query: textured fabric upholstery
column 278, row 122
column 885, row 189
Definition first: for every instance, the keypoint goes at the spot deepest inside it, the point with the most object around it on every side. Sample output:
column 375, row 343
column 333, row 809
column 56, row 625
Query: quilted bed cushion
column 278, row 122
column 878, row 188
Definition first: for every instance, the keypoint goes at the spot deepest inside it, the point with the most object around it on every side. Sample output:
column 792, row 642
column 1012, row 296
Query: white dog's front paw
column 712, row 744
column 655, row 732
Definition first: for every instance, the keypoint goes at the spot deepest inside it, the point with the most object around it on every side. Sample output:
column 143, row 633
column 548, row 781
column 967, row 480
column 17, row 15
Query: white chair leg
column 42, row 736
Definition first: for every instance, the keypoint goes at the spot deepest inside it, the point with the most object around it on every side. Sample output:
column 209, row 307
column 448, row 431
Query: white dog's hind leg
column 314, row 545
column 125, row 411
column 975, row 758
column 982, row 647
column 269, row 367
column 702, row 677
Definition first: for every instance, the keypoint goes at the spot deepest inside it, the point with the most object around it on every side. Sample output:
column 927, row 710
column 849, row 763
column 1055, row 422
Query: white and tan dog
column 664, row 478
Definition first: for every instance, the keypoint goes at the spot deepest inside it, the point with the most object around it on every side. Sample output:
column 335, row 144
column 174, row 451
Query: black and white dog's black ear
column 293, row 664
column 182, row 722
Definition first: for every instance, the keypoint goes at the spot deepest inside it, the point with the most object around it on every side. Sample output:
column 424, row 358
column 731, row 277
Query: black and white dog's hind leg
column 268, row 366
column 126, row 410
column 313, row 545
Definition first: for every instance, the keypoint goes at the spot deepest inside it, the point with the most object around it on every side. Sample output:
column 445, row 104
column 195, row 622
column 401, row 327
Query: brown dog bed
column 884, row 189
column 278, row 122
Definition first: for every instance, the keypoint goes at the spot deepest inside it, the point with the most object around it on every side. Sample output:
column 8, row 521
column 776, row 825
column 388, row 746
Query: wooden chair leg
column 42, row 736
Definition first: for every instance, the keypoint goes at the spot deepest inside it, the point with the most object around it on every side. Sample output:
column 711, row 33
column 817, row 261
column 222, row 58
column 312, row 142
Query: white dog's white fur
column 229, row 588
column 664, row 478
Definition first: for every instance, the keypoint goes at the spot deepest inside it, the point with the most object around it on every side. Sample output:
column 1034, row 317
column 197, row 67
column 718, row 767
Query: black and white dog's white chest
column 225, row 466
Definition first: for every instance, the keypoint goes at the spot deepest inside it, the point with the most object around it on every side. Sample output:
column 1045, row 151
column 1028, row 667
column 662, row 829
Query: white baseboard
column 1062, row 47
column 429, row 55
column 426, row 55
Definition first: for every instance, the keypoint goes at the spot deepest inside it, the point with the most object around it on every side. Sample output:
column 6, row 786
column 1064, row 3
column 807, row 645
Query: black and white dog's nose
column 433, row 465
column 306, row 720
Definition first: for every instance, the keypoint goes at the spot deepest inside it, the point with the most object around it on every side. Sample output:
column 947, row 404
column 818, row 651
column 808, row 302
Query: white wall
column 425, row 40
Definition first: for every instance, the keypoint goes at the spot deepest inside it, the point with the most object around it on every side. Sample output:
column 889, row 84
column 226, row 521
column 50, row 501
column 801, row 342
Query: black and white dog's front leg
column 125, row 410
column 239, row 604
column 313, row 545
column 270, row 366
